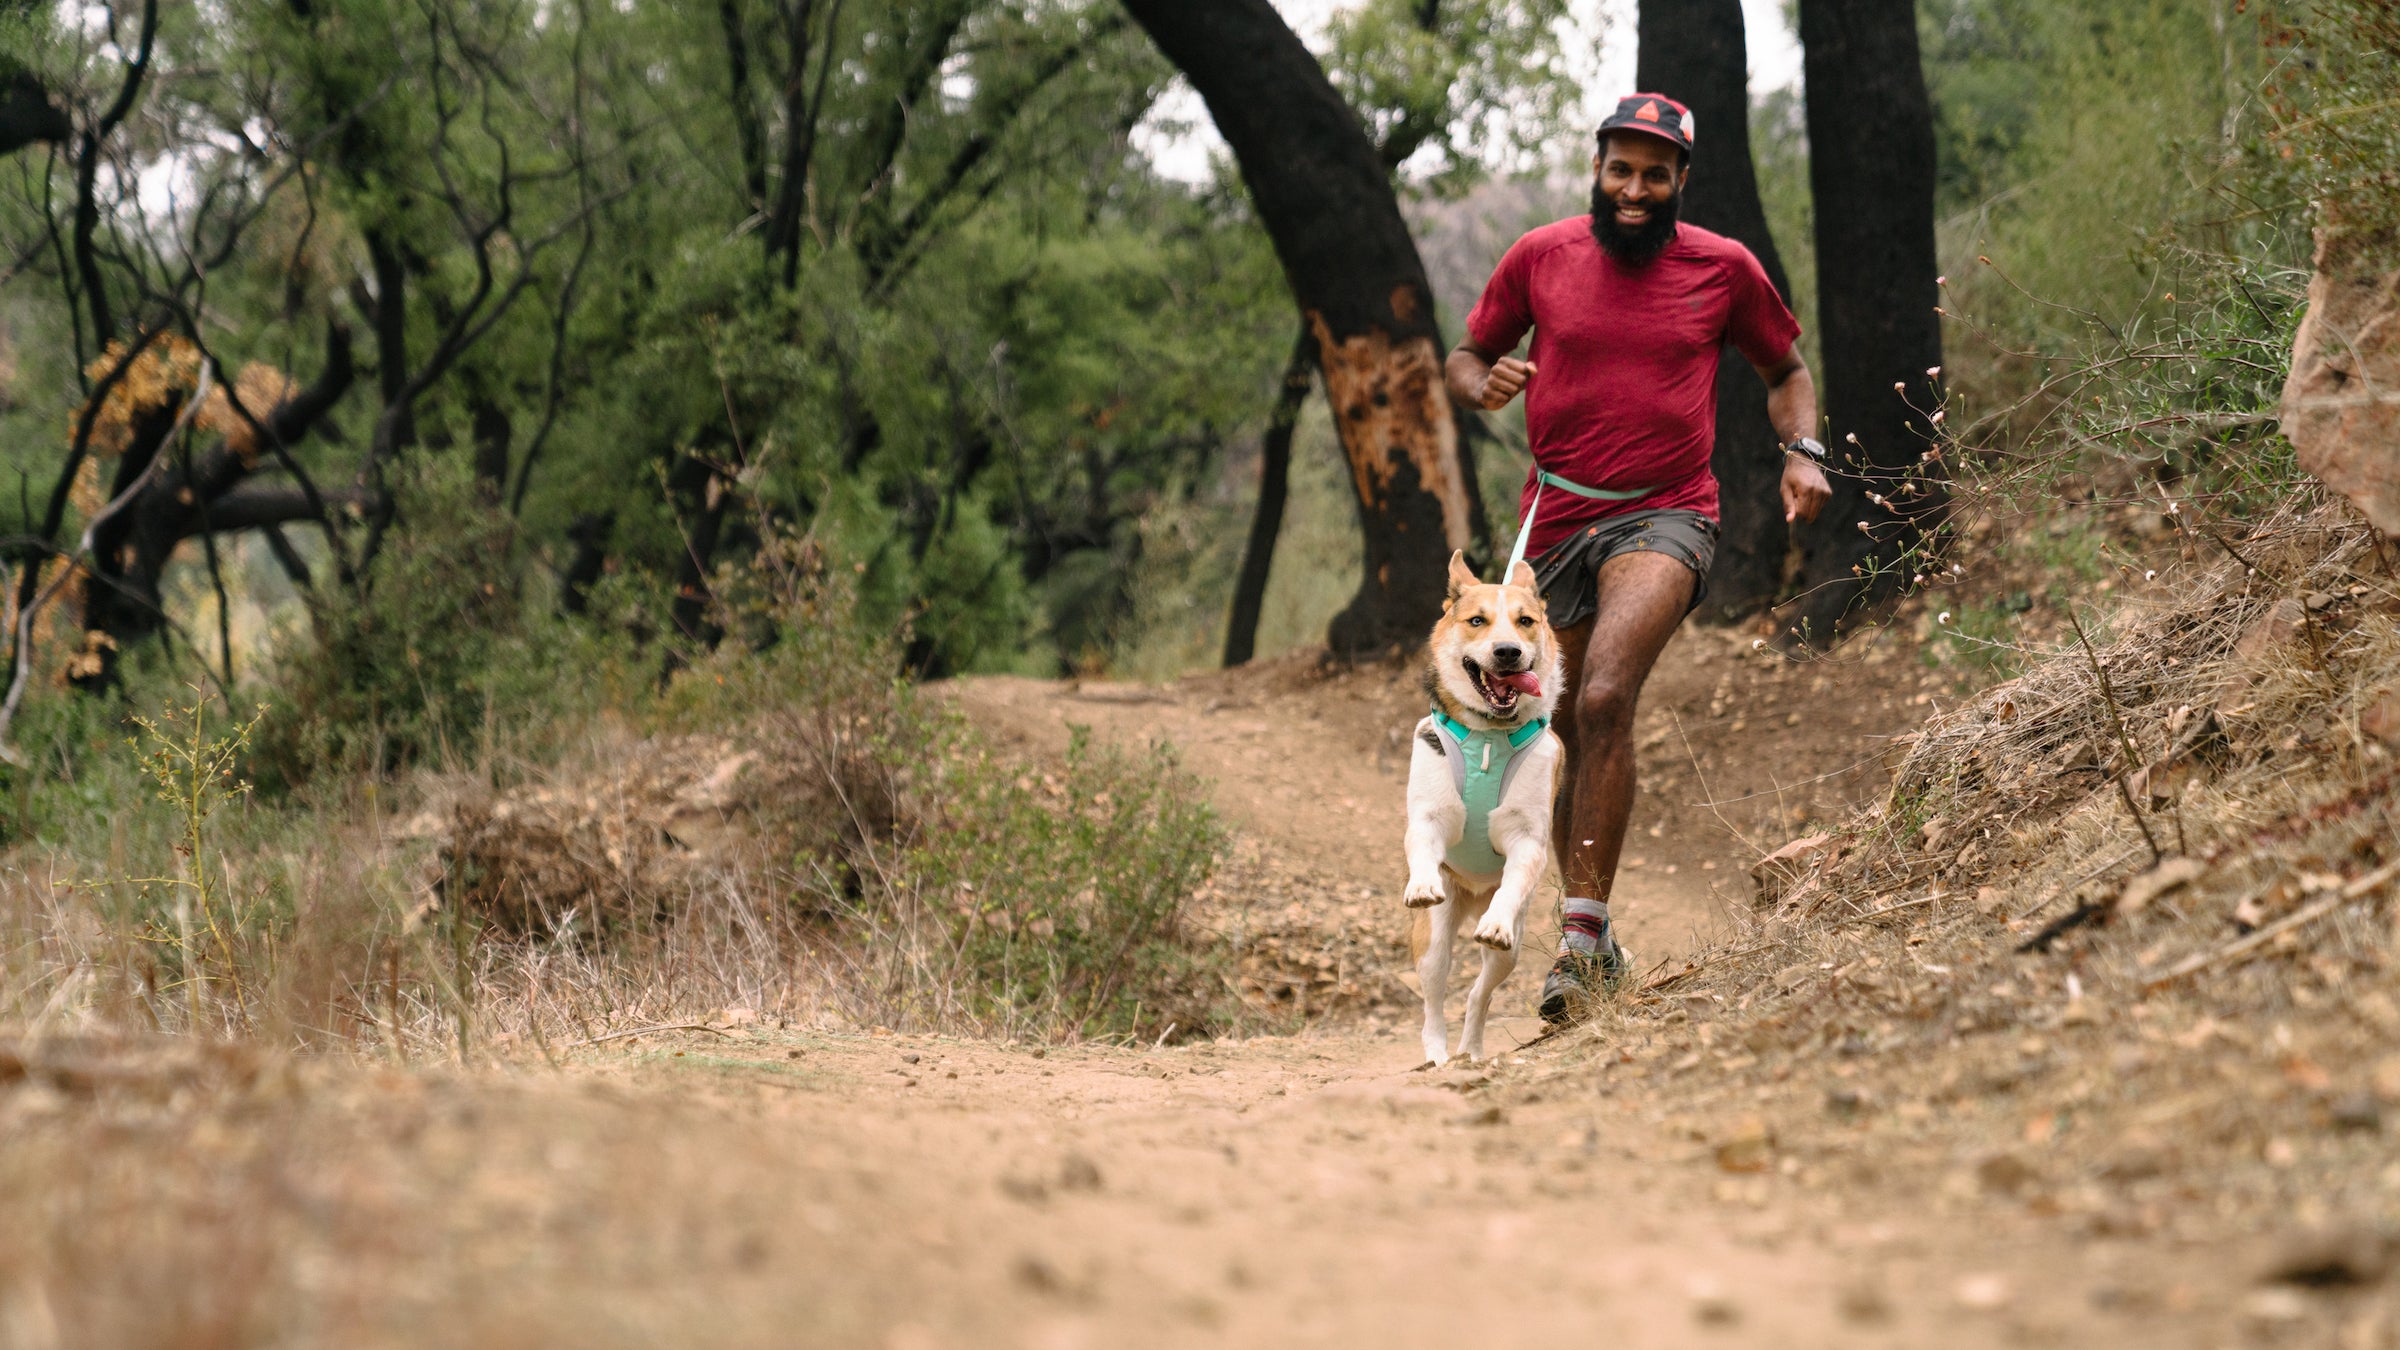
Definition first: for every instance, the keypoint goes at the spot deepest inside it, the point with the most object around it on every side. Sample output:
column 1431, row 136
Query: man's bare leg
column 1643, row 598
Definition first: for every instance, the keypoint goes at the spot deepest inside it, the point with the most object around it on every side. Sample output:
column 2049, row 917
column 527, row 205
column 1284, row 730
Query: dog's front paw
column 1496, row 933
column 1423, row 894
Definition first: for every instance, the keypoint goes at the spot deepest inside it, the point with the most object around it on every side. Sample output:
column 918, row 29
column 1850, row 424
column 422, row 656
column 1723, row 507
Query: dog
column 1492, row 671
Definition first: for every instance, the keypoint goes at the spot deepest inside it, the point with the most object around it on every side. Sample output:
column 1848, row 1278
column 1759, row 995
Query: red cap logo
column 1649, row 112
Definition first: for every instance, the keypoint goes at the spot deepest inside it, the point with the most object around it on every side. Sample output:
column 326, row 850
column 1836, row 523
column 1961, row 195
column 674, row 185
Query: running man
column 1628, row 309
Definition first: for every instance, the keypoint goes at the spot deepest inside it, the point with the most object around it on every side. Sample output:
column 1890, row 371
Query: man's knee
column 1604, row 707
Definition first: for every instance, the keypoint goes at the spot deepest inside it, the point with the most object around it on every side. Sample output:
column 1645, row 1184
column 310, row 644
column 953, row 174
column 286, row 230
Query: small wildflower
column 1941, row 281
column 1933, row 372
column 1899, row 386
column 1852, row 438
column 2151, row 575
column 1944, row 617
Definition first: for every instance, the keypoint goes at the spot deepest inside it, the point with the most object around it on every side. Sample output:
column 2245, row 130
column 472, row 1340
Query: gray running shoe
column 1576, row 979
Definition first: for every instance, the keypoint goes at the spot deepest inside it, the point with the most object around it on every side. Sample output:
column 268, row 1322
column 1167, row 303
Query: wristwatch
column 1806, row 445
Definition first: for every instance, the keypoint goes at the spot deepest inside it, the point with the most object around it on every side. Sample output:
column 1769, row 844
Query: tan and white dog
column 1492, row 669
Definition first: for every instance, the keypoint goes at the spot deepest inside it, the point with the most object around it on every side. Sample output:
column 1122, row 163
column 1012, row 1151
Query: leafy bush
column 1053, row 903
column 440, row 656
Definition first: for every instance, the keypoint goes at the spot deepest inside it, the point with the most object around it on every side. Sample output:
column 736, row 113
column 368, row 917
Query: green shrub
column 1061, row 896
column 441, row 657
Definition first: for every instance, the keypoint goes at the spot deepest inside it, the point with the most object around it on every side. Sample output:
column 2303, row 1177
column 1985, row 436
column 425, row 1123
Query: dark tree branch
column 883, row 245
column 750, row 137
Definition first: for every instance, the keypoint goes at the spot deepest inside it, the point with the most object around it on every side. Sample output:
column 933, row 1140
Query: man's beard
column 1636, row 245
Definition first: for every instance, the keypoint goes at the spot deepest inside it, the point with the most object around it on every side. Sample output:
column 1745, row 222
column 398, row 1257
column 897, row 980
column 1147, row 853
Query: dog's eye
column 1524, row 621
column 1477, row 622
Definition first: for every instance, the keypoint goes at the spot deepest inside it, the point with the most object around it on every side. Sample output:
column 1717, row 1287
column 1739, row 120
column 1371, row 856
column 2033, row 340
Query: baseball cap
column 1654, row 113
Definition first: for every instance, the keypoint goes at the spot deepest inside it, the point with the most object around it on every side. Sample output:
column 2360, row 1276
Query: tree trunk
column 1274, row 482
column 1321, row 193
column 174, row 501
column 1693, row 50
column 1871, row 170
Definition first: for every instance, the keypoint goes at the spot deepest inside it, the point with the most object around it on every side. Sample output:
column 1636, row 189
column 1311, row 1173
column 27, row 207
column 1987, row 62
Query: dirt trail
column 773, row 1186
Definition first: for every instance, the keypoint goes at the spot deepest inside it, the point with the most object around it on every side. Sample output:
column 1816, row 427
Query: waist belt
column 1480, row 783
column 1543, row 478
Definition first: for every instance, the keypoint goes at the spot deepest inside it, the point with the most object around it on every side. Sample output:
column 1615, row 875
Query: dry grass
column 1985, row 986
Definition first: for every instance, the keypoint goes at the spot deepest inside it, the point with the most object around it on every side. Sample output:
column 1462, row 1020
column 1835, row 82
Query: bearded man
column 1628, row 308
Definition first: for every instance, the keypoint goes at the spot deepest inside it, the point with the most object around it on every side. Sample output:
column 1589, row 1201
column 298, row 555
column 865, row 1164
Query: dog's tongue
column 1523, row 681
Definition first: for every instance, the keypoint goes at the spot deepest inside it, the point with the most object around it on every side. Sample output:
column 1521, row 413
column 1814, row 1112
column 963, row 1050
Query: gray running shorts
column 1569, row 574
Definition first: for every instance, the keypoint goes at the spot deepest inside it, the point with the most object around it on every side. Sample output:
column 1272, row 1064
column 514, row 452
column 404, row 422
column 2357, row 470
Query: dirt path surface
column 1647, row 1182
column 773, row 1188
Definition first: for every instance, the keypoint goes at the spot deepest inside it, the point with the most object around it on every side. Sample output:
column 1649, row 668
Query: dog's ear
column 1521, row 576
column 1461, row 576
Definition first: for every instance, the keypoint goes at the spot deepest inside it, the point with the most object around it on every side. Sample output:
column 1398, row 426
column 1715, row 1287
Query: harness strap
column 1516, row 739
column 1544, row 478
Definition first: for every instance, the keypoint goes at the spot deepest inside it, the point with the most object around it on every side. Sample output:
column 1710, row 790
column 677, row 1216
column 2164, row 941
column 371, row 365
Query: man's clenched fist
column 1805, row 490
column 1508, row 376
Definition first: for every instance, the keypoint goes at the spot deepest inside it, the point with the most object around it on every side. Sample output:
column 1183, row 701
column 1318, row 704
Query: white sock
column 1584, row 926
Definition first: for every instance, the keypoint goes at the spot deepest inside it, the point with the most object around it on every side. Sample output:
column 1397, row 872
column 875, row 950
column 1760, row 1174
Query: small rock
column 909, row 1059
column 2355, row 1111
column 1863, row 1300
column 1845, row 1101
column 1078, row 1173
column 1749, row 1148
column 2328, row 1258
column 1490, row 1115
column 2274, row 1307
column 1712, row 1306
column 1038, row 1275
column 2005, row 1173
column 2381, row 719
column 1982, row 1293
column 2387, row 1078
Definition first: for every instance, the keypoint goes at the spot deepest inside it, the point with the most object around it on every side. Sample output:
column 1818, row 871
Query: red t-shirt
column 1624, row 392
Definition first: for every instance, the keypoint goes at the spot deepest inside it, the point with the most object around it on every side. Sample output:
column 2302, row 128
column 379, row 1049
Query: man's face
column 1635, row 188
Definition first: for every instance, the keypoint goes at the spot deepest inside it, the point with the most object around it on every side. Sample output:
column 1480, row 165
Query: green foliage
column 968, row 890
column 2333, row 97
column 444, row 659
column 193, row 773
column 1064, row 895
column 1484, row 85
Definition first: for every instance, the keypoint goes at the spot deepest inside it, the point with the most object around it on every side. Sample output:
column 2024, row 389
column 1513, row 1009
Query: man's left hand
column 1805, row 490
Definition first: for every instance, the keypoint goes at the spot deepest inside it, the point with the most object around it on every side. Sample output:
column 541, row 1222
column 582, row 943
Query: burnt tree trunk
column 1274, row 486
column 1320, row 190
column 1694, row 50
column 211, row 490
column 1871, row 170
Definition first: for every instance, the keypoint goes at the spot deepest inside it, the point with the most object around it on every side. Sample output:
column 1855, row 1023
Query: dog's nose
column 1507, row 655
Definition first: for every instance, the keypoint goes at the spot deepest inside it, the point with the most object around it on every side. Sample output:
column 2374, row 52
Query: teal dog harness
column 1481, row 764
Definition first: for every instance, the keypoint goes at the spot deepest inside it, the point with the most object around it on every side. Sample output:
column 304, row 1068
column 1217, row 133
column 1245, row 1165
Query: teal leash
column 1543, row 478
